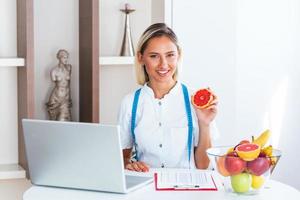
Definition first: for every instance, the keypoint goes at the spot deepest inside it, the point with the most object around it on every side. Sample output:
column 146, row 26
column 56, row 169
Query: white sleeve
column 124, row 121
column 215, row 135
column 196, row 128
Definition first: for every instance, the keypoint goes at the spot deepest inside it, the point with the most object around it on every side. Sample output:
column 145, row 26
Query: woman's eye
column 153, row 56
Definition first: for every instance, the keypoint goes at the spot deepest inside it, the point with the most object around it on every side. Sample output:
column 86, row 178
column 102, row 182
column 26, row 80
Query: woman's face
column 160, row 58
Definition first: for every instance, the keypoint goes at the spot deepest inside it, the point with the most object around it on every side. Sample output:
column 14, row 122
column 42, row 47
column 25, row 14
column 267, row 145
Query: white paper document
column 185, row 180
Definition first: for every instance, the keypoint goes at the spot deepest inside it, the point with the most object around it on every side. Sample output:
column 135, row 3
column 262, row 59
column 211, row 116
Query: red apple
column 233, row 164
column 258, row 166
column 262, row 154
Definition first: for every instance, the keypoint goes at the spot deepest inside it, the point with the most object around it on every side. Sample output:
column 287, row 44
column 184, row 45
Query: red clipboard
column 184, row 189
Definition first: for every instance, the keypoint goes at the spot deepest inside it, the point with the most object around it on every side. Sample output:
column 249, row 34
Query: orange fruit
column 221, row 166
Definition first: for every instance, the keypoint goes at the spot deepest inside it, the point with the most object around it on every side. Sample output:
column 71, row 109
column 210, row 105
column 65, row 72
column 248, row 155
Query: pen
column 186, row 186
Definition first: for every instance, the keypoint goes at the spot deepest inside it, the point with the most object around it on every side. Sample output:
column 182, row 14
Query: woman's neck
column 161, row 89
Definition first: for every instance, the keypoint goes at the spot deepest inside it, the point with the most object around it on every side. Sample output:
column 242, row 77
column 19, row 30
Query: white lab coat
column 161, row 128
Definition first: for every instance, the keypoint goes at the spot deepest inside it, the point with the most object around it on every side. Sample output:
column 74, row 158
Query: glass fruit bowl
column 243, row 176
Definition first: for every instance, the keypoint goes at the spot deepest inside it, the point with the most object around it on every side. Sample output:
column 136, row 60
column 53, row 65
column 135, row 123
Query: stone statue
column 60, row 103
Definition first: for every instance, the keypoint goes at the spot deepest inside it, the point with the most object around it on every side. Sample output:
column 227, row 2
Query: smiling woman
column 153, row 133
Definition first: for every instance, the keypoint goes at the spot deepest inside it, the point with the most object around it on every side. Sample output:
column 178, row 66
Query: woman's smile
column 163, row 73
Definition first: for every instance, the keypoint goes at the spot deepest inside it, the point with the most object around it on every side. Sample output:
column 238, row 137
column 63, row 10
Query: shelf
column 116, row 60
column 11, row 171
column 12, row 62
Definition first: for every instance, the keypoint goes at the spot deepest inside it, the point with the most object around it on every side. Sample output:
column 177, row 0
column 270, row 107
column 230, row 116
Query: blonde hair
column 153, row 31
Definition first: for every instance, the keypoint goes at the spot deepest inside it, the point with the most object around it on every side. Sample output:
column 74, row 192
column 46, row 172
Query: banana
column 262, row 139
column 230, row 150
column 268, row 150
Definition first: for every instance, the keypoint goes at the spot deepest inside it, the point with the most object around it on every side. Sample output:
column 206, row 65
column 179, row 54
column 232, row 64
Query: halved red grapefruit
column 248, row 151
column 202, row 98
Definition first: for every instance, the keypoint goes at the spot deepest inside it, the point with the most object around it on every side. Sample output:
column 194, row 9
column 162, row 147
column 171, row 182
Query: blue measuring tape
column 188, row 113
column 189, row 118
column 133, row 118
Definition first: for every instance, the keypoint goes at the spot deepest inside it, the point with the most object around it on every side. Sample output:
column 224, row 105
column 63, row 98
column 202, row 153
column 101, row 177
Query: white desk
column 274, row 190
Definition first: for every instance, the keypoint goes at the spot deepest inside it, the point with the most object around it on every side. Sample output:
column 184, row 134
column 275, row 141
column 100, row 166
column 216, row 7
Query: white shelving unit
column 12, row 62
column 116, row 60
column 11, row 171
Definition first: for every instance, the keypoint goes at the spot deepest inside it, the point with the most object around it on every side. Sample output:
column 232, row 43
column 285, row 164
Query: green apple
column 241, row 182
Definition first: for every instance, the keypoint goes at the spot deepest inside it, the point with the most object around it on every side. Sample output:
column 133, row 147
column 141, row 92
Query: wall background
column 8, row 85
column 268, row 74
column 116, row 81
column 55, row 27
column 209, row 45
column 247, row 51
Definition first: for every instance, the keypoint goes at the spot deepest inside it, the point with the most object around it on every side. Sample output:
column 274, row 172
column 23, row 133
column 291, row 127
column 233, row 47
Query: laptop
column 77, row 155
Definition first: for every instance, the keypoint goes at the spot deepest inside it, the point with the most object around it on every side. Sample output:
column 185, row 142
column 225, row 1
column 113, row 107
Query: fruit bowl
column 243, row 174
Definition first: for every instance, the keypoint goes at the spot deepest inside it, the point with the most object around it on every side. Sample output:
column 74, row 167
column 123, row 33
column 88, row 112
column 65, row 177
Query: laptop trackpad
column 132, row 181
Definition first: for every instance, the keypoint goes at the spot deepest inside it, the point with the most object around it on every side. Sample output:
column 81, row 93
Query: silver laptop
column 77, row 155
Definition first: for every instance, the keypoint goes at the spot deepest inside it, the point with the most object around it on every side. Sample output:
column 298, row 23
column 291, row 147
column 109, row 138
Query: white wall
column 206, row 30
column 248, row 52
column 268, row 75
column 162, row 11
column 8, row 85
column 55, row 27
column 117, row 81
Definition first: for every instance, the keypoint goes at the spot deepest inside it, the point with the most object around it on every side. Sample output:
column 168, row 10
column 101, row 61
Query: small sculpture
column 127, row 48
column 60, row 103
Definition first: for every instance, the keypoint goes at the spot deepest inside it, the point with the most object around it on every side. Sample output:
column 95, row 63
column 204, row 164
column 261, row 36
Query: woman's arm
column 127, row 156
column 205, row 117
column 201, row 158
column 124, row 120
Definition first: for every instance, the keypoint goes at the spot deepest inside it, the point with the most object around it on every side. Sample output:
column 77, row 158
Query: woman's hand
column 133, row 166
column 207, row 115
column 137, row 166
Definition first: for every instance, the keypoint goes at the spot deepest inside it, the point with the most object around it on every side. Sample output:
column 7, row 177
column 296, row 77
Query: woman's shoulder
column 128, row 98
column 191, row 90
column 126, row 103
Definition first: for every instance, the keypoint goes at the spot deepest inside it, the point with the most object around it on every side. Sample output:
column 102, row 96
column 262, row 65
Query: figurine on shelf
column 127, row 48
column 60, row 103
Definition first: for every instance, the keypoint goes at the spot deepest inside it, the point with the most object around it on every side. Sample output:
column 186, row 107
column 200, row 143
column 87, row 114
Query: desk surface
column 274, row 190
column 14, row 189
